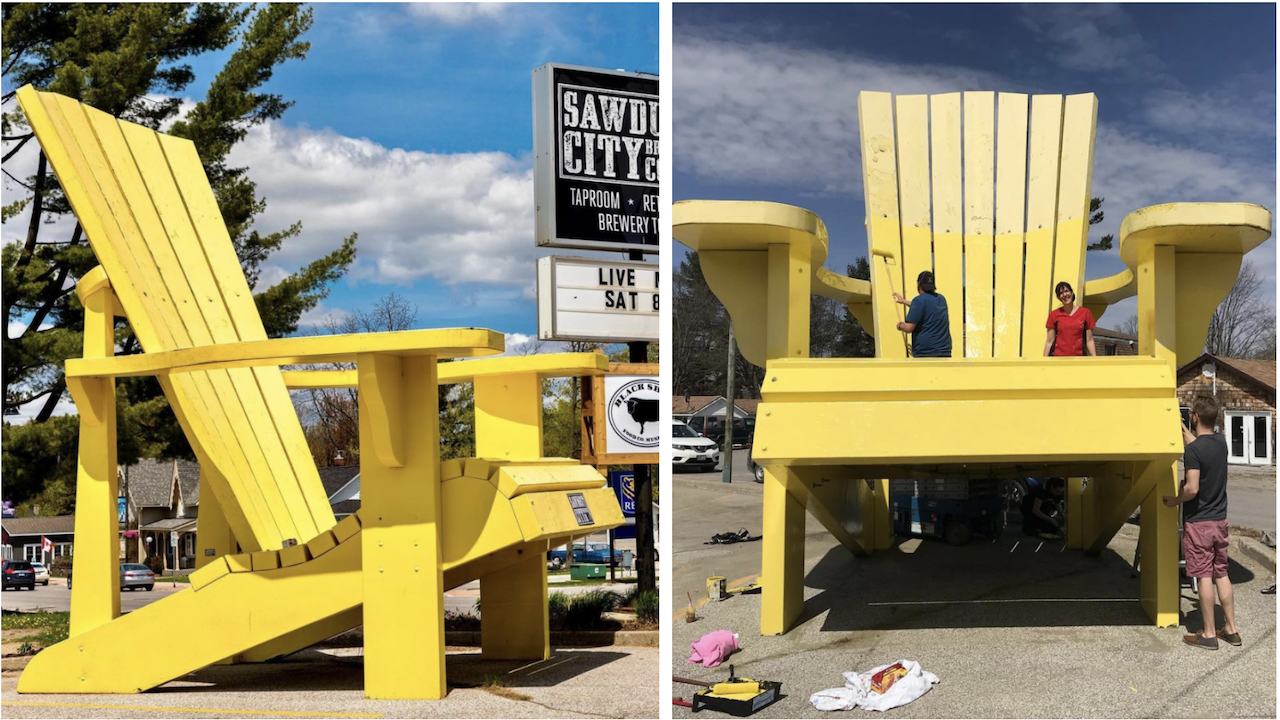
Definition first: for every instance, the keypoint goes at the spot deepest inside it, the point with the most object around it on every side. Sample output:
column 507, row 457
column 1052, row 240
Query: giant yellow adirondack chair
column 276, row 573
column 999, row 228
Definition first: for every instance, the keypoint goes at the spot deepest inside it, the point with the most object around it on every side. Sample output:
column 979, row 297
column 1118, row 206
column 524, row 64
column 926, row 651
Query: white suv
column 691, row 449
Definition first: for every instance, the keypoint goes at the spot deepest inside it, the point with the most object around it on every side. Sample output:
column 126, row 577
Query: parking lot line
column 1008, row 600
column 214, row 711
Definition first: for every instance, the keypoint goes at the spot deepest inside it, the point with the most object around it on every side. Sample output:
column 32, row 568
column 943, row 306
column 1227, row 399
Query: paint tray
column 770, row 692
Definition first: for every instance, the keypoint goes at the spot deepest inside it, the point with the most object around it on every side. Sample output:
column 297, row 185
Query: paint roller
column 890, row 258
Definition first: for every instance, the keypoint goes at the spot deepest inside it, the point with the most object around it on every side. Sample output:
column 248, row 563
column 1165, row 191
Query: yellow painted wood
column 265, row 560
column 508, row 412
column 235, row 613
column 913, row 188
column 1075, row 513
column 400, row 493
column 303, row 637
column 215, row 537
column 481, row 521
column 209, row 573
column 293, row 555
column 948, row 211
column 548, row 515
column 454, row 342
column 515, row 624
column 514, row 480
column 782, row 551
column 1011, row 199
column 1157, row 326
column 788, row 314
column 880, row 190
column 1079, row 123
column 348, row 528
column 382, row 405
column 1158, row 544
column 1042, row 212
column 478, row 468
column 882, row 536
column 242, row 562
column 979, row 222
column 95, row 596
column 322, row 543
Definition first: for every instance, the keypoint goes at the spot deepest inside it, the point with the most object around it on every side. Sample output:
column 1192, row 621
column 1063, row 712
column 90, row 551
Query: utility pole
column 646, row 577
column 729, row 410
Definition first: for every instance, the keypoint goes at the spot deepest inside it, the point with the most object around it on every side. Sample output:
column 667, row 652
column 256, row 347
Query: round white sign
column 633, row 412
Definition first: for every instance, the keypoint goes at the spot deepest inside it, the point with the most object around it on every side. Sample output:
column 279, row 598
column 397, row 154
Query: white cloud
column 460, row 218
column 1091, row 37
column 459, row 13
column 322, row 316
column 778, row 114
column 1214, row 117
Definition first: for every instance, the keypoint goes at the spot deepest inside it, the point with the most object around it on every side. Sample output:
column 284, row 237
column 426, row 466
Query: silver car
column 42, row 573
column 136, row 575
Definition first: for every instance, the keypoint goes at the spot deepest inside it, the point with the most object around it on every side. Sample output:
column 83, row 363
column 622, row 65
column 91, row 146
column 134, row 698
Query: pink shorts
column 1204, row 545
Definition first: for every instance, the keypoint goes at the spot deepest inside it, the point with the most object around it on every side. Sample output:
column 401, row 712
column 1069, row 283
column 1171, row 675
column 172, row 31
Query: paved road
column 590, row 683
column 991, row 619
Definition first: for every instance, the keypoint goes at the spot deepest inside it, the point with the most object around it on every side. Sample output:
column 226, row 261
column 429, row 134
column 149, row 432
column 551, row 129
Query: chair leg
column 1075, row 513
column 882, row 529
column 402, row 553
column 1158, row 545
column 514, row 624
column 782, row 562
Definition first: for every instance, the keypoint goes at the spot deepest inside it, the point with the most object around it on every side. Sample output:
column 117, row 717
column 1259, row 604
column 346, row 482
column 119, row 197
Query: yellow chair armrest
column 449, row 343
column 733, row 239
column 1194, row 228
column 545, row 366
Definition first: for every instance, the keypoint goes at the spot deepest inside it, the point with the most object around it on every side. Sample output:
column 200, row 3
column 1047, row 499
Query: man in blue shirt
column 927, row 319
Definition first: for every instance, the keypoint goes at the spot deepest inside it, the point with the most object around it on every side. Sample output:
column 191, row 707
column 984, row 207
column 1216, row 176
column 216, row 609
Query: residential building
column 1246, row 394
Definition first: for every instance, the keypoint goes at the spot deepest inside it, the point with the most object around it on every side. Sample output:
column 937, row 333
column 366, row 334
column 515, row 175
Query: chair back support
column 154, row 225
column 990, row 192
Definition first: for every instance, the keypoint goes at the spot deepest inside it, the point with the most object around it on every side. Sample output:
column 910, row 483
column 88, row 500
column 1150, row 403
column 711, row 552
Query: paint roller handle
column 690, row 681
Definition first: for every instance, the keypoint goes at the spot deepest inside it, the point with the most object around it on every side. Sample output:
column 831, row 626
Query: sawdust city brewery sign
column 595, row 158
column 584, row 299
column 632, row 412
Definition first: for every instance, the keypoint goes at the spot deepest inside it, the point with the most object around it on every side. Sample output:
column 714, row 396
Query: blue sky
column 1186, row 99
column 413, row 126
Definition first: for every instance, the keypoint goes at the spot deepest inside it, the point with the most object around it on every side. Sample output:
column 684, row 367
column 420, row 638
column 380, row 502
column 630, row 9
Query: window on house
column 62, row 549
column 31, row 552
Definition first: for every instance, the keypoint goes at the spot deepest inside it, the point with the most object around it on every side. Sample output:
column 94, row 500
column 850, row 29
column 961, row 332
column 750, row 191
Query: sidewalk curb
column 560, row 638
column 1255, row 551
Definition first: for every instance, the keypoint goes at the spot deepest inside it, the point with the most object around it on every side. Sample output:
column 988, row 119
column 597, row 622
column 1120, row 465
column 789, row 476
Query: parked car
column 42, row 573
column 19, row 574
column 756, row 470
column 596, row 553
column 744, row 432
column 132, row 577
column 691, row 450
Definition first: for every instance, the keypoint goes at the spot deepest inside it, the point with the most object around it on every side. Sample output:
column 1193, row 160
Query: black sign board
column 578, row 502
column 596, row 158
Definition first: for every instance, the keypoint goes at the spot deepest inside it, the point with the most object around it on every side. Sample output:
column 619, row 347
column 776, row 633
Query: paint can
column 717, row 588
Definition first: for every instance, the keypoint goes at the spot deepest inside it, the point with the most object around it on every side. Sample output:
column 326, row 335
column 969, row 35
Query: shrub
column 156, row 564
column 60, row 567
column 646, row 605
column 586, row 611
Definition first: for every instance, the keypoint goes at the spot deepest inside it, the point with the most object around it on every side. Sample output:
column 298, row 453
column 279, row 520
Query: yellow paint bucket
column 717, row 588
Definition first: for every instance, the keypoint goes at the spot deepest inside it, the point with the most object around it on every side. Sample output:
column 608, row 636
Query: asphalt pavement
column 1013, row 628
column 589, row 683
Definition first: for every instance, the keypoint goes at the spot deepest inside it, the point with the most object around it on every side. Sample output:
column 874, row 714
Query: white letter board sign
column 611, row 301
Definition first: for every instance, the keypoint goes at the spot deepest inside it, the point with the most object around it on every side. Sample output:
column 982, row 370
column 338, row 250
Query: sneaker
column 1198, row 640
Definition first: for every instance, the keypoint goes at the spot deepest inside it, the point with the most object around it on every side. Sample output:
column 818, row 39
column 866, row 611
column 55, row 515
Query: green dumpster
column 588, row 572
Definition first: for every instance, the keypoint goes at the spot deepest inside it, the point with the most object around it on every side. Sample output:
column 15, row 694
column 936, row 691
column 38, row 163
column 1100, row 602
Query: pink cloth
column 713, row 648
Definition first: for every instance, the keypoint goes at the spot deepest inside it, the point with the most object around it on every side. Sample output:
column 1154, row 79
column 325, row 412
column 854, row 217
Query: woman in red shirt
column 1070, row 327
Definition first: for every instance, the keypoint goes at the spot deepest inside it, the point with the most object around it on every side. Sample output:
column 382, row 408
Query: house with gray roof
column 164, row 500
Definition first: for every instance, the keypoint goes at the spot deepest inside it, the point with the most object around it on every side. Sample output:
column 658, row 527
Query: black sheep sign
column 595, row 152
column 632, row 411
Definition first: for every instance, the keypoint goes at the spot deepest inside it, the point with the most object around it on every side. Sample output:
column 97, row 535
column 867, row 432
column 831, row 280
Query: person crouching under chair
column 927, row 319
column 1042, row 509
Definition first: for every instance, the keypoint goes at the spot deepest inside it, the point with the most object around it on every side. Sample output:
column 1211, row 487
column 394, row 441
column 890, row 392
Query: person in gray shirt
column 1204, row 522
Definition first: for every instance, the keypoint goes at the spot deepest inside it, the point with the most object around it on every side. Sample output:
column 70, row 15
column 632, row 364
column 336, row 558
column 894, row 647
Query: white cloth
column 857, row 690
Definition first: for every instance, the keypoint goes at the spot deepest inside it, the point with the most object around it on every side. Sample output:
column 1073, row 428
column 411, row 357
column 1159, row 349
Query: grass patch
column 646, row 607
column 496, row 684
column 584, row 611
column 52, row 628
column 174, row 578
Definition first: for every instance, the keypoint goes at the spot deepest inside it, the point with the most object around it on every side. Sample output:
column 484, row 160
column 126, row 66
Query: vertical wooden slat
column 879, row 173
column 215, row 243
column 913, row 187
column 1079, row 121
column 1011, row 198
column 979, row 220
column 948, row 211
column 238, row 389
column 1042, row 212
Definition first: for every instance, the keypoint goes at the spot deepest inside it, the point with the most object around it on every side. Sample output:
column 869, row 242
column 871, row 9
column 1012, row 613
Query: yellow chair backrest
column 991, row 193
column 154, row 224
